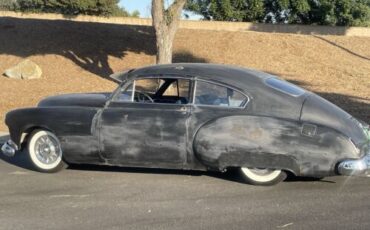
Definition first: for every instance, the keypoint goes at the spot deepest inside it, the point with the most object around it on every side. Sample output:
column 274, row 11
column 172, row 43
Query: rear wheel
column 45, row 152
column 256, row 176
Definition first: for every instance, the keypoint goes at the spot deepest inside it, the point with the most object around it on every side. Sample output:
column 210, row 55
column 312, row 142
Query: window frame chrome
column 193, row 88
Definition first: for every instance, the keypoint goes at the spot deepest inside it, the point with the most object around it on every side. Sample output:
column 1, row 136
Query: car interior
column 178, row 91
column 158, row 90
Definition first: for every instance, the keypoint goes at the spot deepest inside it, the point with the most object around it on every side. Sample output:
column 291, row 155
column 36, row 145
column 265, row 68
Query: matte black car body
column 305, row 135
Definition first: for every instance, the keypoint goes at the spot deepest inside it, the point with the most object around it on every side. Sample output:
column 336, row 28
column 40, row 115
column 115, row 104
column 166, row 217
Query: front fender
column 62, row 121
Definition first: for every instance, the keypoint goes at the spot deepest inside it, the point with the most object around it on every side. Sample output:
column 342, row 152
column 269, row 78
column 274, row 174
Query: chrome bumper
column 9, row 148
column 355, row 167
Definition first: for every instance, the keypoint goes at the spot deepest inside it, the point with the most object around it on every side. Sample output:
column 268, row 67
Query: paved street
column 88, row 197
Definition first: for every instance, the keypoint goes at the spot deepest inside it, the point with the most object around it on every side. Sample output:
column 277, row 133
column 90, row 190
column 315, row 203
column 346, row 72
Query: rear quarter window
column 207, row 93
column 285, row 87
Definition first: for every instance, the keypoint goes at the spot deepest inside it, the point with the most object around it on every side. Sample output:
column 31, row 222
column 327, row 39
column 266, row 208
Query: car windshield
column 285, row 87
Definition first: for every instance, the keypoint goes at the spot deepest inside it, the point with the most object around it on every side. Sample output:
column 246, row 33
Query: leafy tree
column 322, row 12
column 135, row 14
column 228, row 10
column 8, row 5
column 73, row 7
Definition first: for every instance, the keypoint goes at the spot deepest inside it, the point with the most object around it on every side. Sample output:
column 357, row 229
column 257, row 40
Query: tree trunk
column 165, row 22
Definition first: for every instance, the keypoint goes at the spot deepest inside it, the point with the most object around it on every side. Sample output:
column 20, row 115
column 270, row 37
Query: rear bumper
column 355, row 167
column 9, row 148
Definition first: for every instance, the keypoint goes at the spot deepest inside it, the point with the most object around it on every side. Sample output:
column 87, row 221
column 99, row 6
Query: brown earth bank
column 79, row 56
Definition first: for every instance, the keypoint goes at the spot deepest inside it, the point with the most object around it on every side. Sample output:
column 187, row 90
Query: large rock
column 24, row 70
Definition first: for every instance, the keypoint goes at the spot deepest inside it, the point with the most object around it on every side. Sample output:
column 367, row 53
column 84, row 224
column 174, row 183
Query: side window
column 126, row 93
column 212, row 94
column 146, row 89
column 179, row 88
column 148, row 85
column 157, row 90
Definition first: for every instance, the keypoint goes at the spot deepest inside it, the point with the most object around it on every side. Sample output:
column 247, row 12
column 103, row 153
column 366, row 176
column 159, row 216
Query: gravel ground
column 78, row 56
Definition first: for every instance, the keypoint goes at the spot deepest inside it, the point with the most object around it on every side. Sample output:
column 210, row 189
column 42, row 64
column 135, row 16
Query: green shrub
column 73, row 7
column 8, row 5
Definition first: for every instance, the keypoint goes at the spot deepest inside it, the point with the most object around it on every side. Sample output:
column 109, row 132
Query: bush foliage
column 8, row 5
column 321, row 12
column 68, row 7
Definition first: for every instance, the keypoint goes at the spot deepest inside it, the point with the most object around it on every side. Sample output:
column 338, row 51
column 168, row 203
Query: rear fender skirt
column 258, row 160
column 266, row 142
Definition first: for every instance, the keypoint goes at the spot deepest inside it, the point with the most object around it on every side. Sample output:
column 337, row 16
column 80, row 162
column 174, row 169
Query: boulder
column 26, row 69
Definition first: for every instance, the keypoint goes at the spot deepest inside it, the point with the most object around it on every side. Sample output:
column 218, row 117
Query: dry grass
column 77, row 57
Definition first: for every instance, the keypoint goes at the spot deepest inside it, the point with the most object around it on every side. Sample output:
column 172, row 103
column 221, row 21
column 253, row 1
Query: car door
column 212, row 101
column 141, row 128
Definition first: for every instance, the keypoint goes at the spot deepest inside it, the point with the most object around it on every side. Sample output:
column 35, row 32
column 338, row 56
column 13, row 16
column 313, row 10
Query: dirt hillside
column 78, row 56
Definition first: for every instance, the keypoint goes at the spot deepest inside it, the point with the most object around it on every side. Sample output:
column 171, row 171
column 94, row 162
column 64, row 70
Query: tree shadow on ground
column 184, row 56
column 342, row 48
column 87, row 44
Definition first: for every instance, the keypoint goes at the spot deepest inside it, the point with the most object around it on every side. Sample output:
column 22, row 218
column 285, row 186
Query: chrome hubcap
column 47, row 149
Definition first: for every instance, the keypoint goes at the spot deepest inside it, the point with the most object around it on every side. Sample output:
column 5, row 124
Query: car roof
column 227, row 74
column 264, row 101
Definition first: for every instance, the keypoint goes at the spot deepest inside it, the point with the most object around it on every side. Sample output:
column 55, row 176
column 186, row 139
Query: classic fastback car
column 198, row 117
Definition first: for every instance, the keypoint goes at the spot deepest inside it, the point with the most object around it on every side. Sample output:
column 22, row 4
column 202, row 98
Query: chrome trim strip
column 133, row 91
column 194, row 91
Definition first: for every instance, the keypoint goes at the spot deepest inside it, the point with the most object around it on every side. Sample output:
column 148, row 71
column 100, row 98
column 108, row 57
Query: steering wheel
column 143, row 97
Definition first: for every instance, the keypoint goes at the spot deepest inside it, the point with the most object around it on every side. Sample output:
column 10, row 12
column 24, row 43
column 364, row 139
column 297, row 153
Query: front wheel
column 256, row 176
column 45, row 152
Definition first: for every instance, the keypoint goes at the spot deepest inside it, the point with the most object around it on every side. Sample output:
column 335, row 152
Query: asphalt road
column 88, row 197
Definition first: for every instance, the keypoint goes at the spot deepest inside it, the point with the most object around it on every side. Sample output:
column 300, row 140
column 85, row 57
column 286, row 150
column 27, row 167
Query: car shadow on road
column 21, row 160
column 230, row 175
column 291, row 179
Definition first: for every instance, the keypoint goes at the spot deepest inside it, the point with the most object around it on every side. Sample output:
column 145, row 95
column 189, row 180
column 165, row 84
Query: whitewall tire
column 262, row 176
column 45, row 152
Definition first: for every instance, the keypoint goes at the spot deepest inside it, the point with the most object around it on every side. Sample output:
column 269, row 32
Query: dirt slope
column 78, row 56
